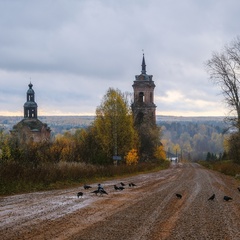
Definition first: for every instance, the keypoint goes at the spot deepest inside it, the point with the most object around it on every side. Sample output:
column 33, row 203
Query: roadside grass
column 17, row 178
column 226, row 167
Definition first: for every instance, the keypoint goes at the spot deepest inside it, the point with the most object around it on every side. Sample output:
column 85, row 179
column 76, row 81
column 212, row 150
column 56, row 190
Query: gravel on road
column 150, row 210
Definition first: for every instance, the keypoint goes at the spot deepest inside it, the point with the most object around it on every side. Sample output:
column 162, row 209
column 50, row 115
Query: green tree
column 113, row 124
column 88, row 146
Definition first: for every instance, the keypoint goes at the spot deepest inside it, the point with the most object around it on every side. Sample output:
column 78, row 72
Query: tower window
column 141, row 97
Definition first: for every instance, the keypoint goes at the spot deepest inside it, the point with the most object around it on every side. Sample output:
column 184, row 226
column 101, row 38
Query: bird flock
column 211, row 198
column 121, row 186
column 100, row 190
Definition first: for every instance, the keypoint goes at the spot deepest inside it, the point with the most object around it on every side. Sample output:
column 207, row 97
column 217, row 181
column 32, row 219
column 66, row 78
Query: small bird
column 238, row 189
column 227, row 198
column 212, row 197
column 95, row 191
column 132, row 185
column 116, row 187
column 102, row 191
column 79, row 194
column 122, row 183
column 86, row 186
column 121, row 188
column 178, row 195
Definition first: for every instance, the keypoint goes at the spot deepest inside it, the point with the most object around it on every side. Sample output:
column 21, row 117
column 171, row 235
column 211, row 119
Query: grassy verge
column 226, row 167
column 16, row 178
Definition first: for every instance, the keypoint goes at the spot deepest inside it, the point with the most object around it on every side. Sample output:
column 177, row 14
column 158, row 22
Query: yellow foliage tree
column 132, row 157
column 113, row 124
column 160, row 154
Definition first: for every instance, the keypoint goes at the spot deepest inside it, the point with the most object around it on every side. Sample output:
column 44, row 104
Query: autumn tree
column 224, row 71
column 5, row 151
column 114, row 125
column 160, row 153
column 234, row 147
column 88, row 146
column 132, row 157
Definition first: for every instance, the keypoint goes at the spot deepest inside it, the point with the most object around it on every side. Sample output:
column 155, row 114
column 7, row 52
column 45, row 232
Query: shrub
column 132, row 157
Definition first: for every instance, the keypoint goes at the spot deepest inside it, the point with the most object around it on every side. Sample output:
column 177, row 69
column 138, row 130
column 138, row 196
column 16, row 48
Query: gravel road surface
column 150, row 210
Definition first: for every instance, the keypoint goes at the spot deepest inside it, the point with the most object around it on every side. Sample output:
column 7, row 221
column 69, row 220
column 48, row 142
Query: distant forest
column 194, row 139
column 190, row 138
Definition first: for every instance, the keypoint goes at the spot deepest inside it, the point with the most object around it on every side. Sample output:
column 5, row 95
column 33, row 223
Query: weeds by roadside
column 226, row 167
column 16, row 178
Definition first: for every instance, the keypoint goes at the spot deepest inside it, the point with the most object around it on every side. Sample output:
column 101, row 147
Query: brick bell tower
column 30, row 106
column 143, row 107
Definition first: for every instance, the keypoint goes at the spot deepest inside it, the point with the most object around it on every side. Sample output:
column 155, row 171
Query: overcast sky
column 74, row 50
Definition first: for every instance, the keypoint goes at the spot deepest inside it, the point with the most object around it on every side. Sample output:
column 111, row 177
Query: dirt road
column 150, row 210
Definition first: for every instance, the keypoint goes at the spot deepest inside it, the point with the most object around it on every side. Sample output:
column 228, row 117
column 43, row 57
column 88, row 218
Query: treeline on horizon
column 192, row 138
column 194, row 141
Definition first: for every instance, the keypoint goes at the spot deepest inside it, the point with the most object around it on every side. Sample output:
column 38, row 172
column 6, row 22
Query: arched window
column 141, row 97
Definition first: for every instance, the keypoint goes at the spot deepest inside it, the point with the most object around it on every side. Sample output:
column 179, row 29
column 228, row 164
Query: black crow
column 178, row 195
column 86, row 186
column 96, row 192
column 212, row 197
column 79, row 194
column 122, row 183
column 227, row 198
column 121, row 188
column 102, row 191
column 131, row 185
column 116, row 187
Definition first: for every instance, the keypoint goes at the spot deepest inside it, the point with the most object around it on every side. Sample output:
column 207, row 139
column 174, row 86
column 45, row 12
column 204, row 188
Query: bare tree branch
column 224, row 71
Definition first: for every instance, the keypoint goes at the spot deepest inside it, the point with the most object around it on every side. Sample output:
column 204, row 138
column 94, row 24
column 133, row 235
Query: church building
column 31, row 128
column 143, row 107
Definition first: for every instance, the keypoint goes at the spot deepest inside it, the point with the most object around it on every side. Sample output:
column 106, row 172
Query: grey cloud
column 75, row 50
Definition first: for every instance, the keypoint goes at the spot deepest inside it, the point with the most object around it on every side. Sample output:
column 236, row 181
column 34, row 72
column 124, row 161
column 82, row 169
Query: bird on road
column 212, row 197
column 95, row 191
column 132, row 185
column 121, row 188
column 79, row 194
column 86, row 186
column 102, row 191
column 116, row 187
column 227, row 198
column 178, row 195
column 122, row 183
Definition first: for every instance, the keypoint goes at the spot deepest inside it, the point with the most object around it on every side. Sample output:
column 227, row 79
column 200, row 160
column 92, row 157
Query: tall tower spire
column 144, row 112
column 143, row 106
column 143, row 65
column 30, row 106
